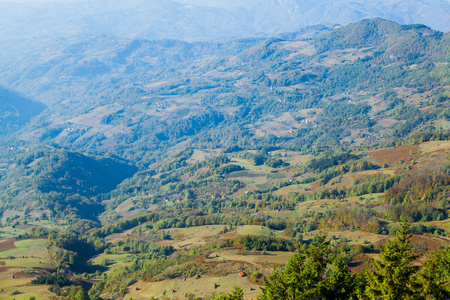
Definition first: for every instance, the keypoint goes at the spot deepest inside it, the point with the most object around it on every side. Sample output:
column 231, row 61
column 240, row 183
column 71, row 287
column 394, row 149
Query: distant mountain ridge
column 376, row 32
column 132, row 98
column 195, row 20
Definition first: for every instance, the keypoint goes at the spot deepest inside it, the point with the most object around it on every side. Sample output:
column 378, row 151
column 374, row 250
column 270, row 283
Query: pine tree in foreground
column 306, row 276
column 316, row 273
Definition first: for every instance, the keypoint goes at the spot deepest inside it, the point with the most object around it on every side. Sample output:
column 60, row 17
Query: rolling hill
column 169, row 168
column 369, row 84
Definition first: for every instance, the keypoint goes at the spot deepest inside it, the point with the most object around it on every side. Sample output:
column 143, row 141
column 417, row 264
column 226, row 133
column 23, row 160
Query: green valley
column 305, row 165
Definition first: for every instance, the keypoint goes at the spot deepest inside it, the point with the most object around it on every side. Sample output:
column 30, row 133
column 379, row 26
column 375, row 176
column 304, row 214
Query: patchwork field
column 205, row 260
column 20, row 262
column 177, row 289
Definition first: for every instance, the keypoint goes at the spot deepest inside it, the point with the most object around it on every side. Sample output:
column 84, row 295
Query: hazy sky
column 204, row 19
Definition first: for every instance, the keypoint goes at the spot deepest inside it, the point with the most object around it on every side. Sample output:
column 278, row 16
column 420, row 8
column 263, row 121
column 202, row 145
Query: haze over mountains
column 195, row 20
column 138, row 99
column 155, row 148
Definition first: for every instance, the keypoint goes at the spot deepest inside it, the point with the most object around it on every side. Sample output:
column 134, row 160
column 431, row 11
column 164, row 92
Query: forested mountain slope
column 168, row 168
column 366, row 83
column 16, row 110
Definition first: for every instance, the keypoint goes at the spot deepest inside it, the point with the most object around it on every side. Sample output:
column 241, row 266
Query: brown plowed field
column 391, row 156
column 7, row 245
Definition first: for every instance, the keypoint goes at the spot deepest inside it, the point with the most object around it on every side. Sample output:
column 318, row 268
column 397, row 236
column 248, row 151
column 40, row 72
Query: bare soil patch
column 424, row 242
column 392, row 156
column 5, row 269
column 6, row 245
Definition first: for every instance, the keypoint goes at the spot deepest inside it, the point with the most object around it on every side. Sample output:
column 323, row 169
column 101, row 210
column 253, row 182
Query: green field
column 34, row 251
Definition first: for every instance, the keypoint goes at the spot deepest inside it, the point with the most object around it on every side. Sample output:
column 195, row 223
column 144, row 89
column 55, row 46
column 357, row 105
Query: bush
column 255, row 276
column 55, row 279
